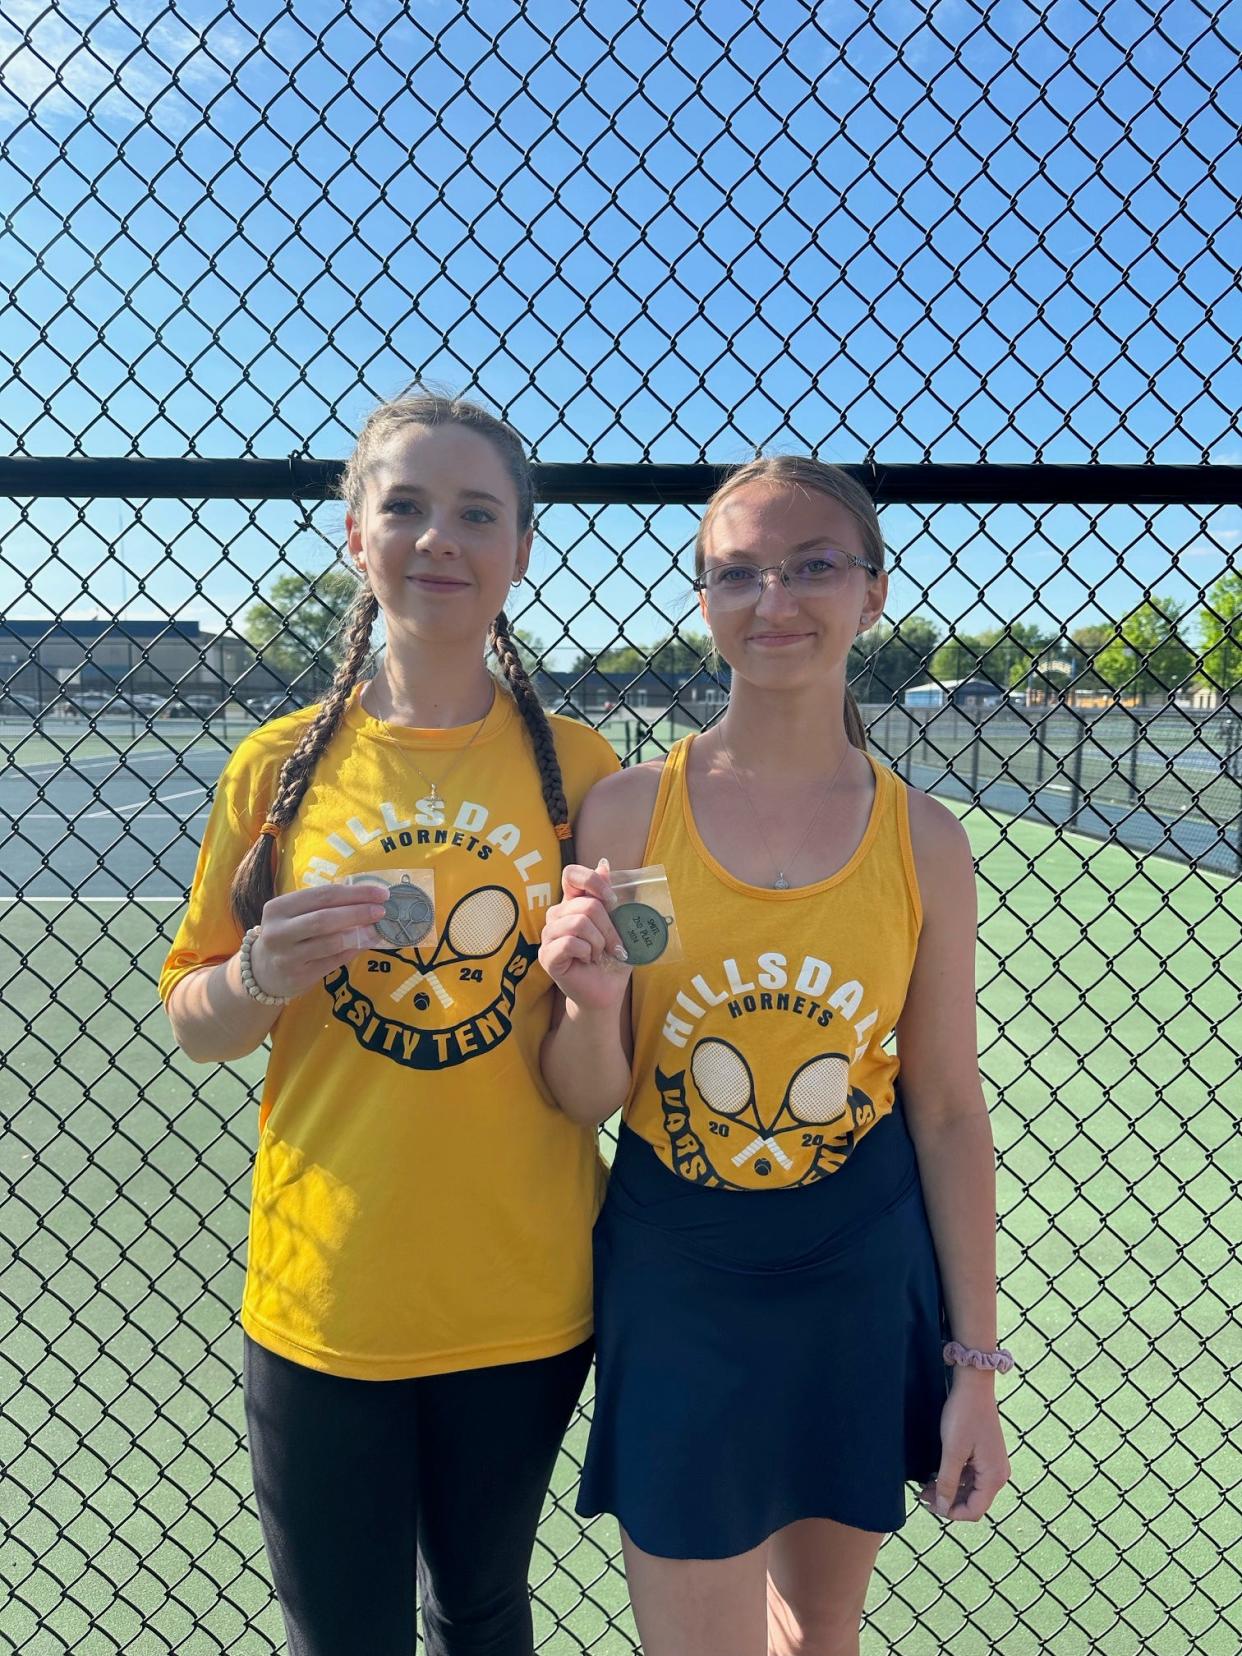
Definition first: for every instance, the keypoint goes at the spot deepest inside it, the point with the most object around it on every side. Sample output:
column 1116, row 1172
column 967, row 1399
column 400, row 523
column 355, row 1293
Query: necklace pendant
column 780, row 883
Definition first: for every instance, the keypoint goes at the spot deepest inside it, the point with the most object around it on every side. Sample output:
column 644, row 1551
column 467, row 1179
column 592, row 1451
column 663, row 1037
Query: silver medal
column 408, row 915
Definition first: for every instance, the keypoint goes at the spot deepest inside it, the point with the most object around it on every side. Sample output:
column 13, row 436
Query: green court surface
column 635, row 739
column 1109, row 1030
column 55, row 744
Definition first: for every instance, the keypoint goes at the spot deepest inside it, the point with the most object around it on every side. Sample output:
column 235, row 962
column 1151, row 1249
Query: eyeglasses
column 805, row 574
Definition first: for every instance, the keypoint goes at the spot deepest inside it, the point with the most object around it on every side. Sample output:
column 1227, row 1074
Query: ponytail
column 254, row 883
column 854, row 727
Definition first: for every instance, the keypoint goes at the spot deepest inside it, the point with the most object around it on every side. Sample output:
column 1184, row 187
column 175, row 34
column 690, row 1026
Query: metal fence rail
column 1166, row 783
column 983, row 255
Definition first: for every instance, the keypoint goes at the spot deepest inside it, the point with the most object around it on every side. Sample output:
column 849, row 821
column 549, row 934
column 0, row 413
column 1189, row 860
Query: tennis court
column 1109, row 1033
column 980, row 260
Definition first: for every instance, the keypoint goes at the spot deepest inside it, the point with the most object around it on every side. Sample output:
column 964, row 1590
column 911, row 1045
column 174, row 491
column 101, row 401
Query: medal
column 408, row 915
column 643, row 930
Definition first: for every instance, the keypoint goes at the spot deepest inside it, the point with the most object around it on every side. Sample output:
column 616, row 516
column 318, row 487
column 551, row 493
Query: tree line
column 1159, row 645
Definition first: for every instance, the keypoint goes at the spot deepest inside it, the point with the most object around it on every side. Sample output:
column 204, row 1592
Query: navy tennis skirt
column 763, row 1356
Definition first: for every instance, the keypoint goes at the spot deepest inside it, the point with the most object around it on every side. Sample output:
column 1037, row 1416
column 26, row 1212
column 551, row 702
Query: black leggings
column 361, row 1484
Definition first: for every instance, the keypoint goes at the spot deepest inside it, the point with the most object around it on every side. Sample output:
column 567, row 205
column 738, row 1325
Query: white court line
column 153, row 799
column 111, row 811
column 121, row 762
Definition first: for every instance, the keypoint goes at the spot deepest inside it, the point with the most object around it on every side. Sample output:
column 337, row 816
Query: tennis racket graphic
column 477, row 925
column 819, row 1090
column 726, row 1085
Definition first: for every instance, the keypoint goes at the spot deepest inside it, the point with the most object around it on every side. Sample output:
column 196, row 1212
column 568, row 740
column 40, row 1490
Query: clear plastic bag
column 644, row 915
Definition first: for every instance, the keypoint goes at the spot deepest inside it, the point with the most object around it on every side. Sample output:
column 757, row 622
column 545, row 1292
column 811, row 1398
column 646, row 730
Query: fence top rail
column 640, row 483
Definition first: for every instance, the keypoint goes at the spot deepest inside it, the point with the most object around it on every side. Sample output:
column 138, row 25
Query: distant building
column 967, row 692
column 1203, row 698
column 687, row 698
column 42, row 660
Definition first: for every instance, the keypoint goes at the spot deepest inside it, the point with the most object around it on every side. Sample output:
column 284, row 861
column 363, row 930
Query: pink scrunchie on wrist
column 968, row 1357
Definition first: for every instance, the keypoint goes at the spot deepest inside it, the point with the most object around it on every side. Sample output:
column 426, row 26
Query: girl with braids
column 783, row 1220
column 417, row 1307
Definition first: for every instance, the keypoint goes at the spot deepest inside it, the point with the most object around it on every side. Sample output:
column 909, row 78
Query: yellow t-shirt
column 759, row 1057
column 419, row 1204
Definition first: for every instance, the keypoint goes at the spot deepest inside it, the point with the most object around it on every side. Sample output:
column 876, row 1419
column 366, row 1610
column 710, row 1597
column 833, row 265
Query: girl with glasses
column 795, row 1262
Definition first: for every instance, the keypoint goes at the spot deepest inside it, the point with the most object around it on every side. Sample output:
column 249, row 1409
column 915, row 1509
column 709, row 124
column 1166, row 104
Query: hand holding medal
column 606, row 923
column 581, row 950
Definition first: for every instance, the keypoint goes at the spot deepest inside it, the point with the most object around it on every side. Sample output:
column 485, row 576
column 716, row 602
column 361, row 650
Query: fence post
column 1076, row 772
column 1134, row 791
column 1232, row 767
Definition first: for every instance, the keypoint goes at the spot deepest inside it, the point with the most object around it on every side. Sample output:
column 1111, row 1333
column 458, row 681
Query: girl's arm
column 588, row 1049
column 937, row 1044
column 213, row 1018
column 304, row 935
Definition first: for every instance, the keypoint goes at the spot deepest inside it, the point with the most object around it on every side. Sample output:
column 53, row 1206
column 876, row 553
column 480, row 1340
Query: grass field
column 1110, row 1030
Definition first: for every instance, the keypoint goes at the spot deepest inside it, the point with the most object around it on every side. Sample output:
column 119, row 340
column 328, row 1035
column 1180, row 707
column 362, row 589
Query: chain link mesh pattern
column 654, row 240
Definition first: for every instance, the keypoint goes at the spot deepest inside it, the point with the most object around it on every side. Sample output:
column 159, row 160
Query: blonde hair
column 804, row 471
column 254, row 883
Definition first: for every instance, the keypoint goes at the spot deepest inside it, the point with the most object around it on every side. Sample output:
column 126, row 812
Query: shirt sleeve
column 586, row 758
column 606, row 760
column 208, row 933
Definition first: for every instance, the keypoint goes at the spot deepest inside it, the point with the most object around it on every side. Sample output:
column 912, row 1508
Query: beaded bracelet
column 247, row 974
column 1000, row 1361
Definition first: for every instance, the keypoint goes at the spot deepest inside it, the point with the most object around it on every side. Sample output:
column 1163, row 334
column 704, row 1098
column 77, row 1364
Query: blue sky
column 899, row 230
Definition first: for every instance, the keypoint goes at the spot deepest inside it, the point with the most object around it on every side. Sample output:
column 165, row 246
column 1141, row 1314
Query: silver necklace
column 431, row 806
column 781, row 882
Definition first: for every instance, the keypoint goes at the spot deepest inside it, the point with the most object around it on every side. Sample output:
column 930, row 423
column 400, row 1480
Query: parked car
column 273, row 706
column 182, row 705
column 90, row 701
column 15, row 705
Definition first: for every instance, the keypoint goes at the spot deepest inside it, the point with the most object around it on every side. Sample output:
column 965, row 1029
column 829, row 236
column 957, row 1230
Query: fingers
column 978, row 1501
column 334, row 950
column 298, row 944
column 954, row 1479
column 966, row 1495
column 310, row 898
column 562, row 953
column 340, row 920
column 585, row 918
column 579, row 881
column 945, row 1489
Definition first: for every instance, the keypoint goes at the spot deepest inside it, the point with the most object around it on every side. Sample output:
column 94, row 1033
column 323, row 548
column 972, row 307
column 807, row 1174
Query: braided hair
column 254, row 883
column 539, row 731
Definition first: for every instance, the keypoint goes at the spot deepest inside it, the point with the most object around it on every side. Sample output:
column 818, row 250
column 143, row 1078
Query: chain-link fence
column 986, row 254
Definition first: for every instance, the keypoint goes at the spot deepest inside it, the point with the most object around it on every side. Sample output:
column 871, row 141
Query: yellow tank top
column 759, row 1058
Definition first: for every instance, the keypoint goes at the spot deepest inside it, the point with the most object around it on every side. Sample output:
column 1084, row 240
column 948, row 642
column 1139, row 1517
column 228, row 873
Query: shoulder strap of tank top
column 900, row 798
column 668, row 792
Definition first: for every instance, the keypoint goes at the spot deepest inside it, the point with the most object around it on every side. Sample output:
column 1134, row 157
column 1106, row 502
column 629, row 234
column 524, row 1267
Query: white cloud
column 55, row 65
column 1220, row 539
